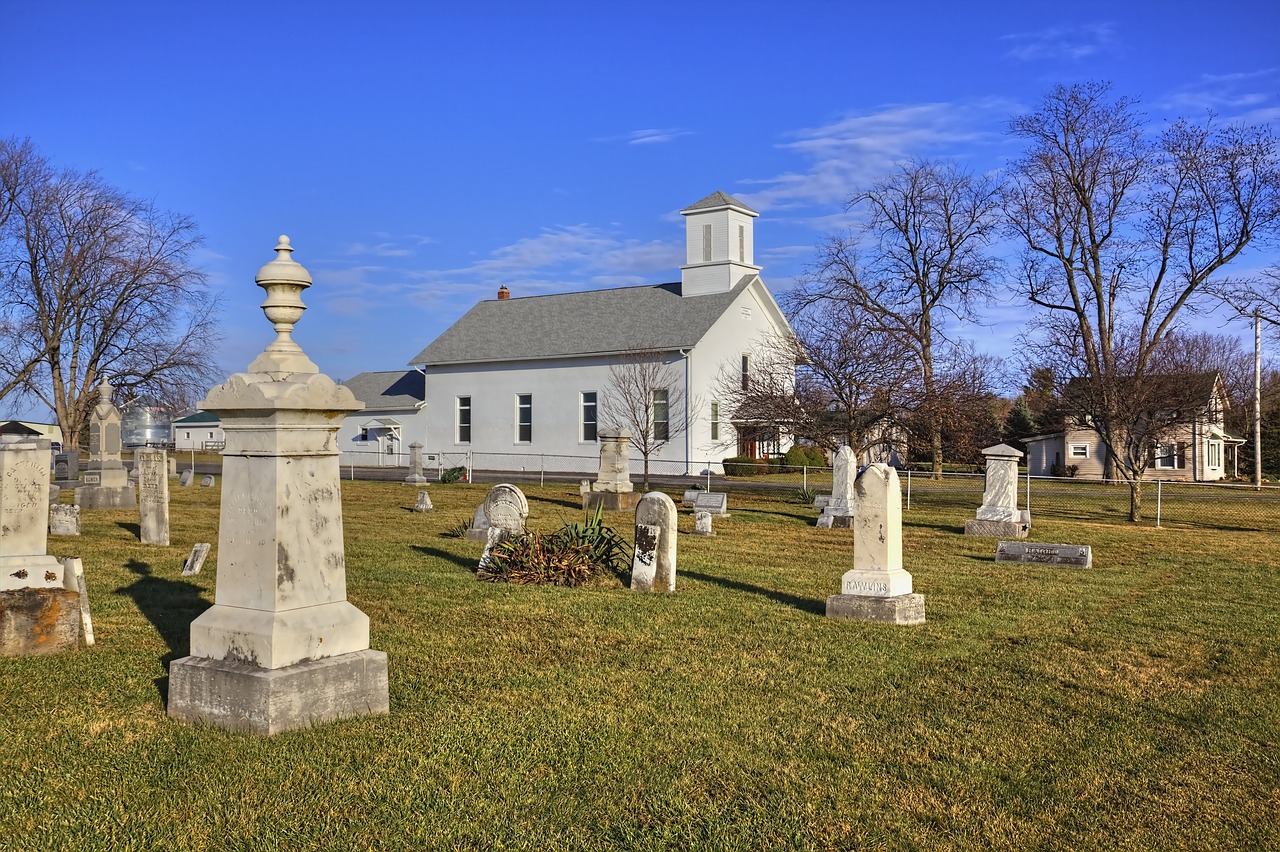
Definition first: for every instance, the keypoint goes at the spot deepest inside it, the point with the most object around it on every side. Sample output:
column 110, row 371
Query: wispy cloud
column 1070, row 43
column 861, row 148
column 1246, row 96
column 651, row 136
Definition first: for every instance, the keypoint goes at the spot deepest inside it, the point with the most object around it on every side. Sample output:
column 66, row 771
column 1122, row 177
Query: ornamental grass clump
column 577, row 554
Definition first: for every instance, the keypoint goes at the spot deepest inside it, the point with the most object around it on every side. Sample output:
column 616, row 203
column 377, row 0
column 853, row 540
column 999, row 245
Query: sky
column 420, row 155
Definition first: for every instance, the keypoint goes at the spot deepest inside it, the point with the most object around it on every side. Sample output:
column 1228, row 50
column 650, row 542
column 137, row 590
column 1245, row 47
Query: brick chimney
column 503, row 293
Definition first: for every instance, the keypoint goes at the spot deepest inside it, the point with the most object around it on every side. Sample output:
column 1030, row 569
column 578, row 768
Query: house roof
column 17, row 427
column 716, row 200
column 388, row 389
column 199, row 417
column 594, row 322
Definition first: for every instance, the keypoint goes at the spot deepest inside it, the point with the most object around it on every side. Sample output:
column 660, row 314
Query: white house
column 394, row 417
column 518, row 379
column 201, row 431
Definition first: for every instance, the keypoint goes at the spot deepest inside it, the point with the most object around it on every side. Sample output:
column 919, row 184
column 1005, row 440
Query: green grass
column 1133, row 705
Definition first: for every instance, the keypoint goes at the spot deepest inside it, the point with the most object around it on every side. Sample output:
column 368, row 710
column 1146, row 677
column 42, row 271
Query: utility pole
column 1257, row 400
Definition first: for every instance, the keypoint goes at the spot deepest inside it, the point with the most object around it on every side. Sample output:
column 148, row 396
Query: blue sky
column 421, row 154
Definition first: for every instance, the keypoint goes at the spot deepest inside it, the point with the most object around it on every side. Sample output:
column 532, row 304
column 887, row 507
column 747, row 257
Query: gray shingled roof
column 718, row 199
column 596, row 322
column 387, row 389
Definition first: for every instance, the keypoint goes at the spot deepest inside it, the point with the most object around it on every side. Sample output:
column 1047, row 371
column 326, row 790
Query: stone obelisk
column 281, row 648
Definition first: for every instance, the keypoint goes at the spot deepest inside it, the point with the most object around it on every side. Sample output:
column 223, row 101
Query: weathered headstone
column 153, row 496
column 186, row 478
column 206, row 481
column 424, row 502
column 64, row 520
column 172, row 466
column 415, row 476
column 878, row 588
column 66, row 466
column 841, row 505
column 824, row 522
column 282, row 647
column 713, row 502
column 654, row 564
column 998, row 516
column 689, row 496
column 195, row 561
column 37, row 614
column 106, row 482
column 73, row 580
column 821, row 501
column 702, row 523
column 505, row 506
column 1074, row 555
column 55, row 494
column 612, row 488
column 479, row 529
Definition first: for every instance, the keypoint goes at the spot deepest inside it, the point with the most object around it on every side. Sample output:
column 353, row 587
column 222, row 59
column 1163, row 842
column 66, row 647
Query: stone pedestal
column 997, row 529
column 38, row 621
column 900, row 609
column 610, row 501
column 415, row 465
column 281, row 647
column 999, row 515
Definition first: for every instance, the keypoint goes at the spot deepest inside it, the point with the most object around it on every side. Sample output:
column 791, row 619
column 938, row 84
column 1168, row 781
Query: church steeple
column 719, row 245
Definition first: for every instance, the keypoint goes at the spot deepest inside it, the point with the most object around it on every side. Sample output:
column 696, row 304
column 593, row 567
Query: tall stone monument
column 281, row 648
column 415, row 465
column 878, row 588
column 37, row 614
column 998, row 516
column 612, row 488
column 153, row 495
column 840, row 508
column 106, row 483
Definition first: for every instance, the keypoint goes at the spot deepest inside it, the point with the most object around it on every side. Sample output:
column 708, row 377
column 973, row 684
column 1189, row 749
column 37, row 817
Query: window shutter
column 1182, row 455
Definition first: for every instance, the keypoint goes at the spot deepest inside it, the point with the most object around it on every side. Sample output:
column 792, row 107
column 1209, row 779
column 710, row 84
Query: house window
column 364, row 434
column 706, row 243
column 742, row 244
column 1215, row 454
column 746, row 371
column 1171, row 456
column 588, row 415
column 188, row 436
column 464, row 420
column 715, row 421
column 661, row 415
column 524, row 418
column 1079, row 451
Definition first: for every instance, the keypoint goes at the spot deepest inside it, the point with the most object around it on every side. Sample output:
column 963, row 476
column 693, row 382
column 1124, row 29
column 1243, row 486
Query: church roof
column 594, row 322
column 718, row 199
column 387, row 389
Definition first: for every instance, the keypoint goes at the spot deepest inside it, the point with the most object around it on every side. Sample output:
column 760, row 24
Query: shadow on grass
column 803, row 604
column 132, row 529
column 171, row 606
column 461, row 561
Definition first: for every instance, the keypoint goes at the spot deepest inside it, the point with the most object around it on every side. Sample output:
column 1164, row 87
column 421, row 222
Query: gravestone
column 840, row 507
column 55, row 494
column 153, row 496
column 821, row 501
column 64, row 520
column 479, row 529
column 66, row 466
column 612, row 488
column 73, row 580
column 415, row 465
column 702, row 523
column 106, row 482
column 195, row 561
column 172, row 466
column 713, row 502
column 689, row 496
column 505, row 511
column 654, row 564
column 824, row 522
column 424, row 502
column 186, row 478
column 998, row 516
column 878, row 588
column 38, row 615
column 281, row 647
column 206, row 481
column 1074, row 555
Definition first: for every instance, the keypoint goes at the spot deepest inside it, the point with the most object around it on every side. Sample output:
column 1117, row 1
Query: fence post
column 542, row 469
column 1159, row 491
column 1028, row 488
column 908, row 489
column 804, row 484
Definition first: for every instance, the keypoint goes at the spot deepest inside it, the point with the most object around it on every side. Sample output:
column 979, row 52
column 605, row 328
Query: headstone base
column 839, row 522
column 997, row 529
column 900, row 609
column 38, row 621
column 612, row 501
column 416, row 479
column 480, row 534
column 100, row 497
column 250, row 699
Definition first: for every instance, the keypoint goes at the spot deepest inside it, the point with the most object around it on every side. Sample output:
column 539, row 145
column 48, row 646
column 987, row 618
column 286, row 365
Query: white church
column 528, row 376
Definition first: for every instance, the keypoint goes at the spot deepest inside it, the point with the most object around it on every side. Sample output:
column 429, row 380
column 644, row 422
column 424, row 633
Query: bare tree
column 1122, row 233
column 99, row 283
column 646, row 397
column 920, row 257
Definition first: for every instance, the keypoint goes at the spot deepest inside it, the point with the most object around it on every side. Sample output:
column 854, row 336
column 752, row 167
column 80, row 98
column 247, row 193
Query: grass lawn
column 1133, row 705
